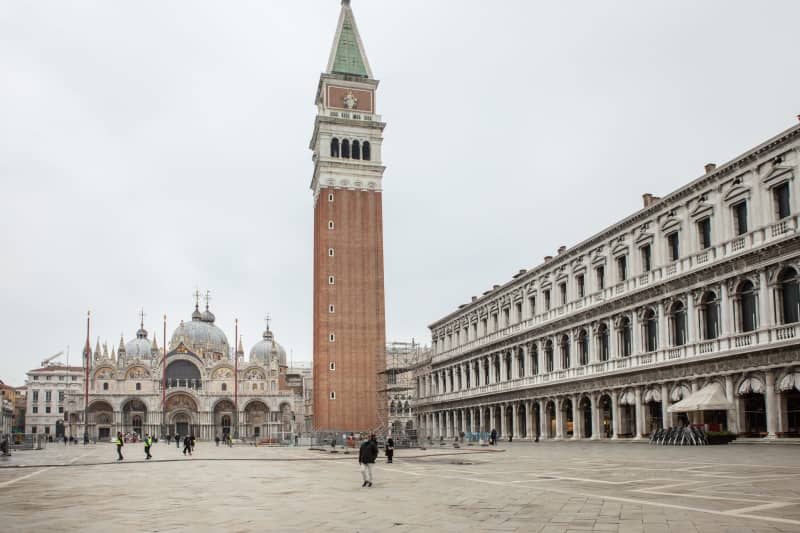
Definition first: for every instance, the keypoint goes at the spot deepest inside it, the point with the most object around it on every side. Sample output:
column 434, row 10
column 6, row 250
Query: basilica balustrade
column 192, row 384
column 723, row 251
column 500, row 383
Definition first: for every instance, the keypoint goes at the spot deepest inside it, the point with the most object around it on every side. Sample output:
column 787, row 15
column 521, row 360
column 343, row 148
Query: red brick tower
column 349, row 322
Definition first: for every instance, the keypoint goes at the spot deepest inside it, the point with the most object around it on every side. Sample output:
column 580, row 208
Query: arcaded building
column 348, row 308
column 200, row 385
column 686, row 311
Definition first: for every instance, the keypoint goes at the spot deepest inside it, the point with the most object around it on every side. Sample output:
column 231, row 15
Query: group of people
column 188, row 444
column 226, row 439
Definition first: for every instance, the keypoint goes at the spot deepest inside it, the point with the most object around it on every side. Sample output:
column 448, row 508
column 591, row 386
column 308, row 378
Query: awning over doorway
column 709, row 398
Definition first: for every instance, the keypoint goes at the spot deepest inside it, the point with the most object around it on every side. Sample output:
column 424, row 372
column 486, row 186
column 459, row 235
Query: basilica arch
column 101, row 420
column 182, row 415
column 224, row 418
column 134, row 417
column 256, row 423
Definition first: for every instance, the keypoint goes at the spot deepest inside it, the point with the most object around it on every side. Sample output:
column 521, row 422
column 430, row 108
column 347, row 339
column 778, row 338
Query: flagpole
column 236, row 381
column 87, row 354
column 164, row 383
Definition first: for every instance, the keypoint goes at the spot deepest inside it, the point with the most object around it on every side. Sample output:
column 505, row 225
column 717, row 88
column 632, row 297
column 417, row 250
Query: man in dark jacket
column 366, row 458
column 187, row 445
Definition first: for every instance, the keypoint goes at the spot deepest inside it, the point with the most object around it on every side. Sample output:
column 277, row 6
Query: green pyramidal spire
column 348, row 56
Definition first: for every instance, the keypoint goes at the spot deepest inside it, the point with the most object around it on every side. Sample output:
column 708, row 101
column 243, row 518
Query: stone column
column 464, row 428
column 691, row 321
column 526, row 361
column 612, row 340
column 638, row 413
column 725, row 327
column 763, row 300
column 559, row 405
column 614, row 414
column 515, row 421
column 543, row 433
column 492, row 377
column 492, row 422
column 594, row 399
column 771, row 404
column 662, row 327
column 529, row 430
column 636, row 333
column 577, row 419
column 666, row 417
column 502, row 424
column 731, row 414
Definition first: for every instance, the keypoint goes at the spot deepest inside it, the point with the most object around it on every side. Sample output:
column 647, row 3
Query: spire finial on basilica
column 197, row 299
column 345, row 3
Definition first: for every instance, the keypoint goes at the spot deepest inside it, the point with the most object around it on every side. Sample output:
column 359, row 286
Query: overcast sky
column 149, row 148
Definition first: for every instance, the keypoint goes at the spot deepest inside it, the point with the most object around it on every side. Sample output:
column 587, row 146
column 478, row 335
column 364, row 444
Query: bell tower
column 349, row 319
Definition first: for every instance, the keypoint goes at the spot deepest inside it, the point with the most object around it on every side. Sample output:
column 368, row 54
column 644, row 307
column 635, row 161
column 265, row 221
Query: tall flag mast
column 87, row 354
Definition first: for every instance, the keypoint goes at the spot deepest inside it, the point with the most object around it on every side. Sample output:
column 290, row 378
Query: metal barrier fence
column 24, row 441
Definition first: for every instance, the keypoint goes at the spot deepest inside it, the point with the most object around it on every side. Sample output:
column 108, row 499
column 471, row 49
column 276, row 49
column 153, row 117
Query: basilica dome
column 202, row 337
column 138, row 348
column 268, row 349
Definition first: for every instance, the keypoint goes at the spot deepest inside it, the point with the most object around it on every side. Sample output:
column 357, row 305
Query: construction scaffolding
column 398, row 395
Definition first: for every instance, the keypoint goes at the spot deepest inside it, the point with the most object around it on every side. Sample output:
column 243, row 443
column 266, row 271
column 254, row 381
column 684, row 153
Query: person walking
column 389, row 450
column 187, row 445
column 493, row 438
column 119, row 444
column 178, row 441
column 169, row 439
column 192, row 442
column 366, row 458
column 148, row 443
column 216, row 439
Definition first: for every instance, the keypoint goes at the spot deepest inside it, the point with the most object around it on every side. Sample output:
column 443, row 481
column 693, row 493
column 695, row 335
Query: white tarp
column 709, row 398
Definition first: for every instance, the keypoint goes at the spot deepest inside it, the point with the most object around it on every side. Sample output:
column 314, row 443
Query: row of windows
column 745, row 318
column 47, row 409
column 350, row 149
column 48, row 396
column 60, row 378
column 739, row 211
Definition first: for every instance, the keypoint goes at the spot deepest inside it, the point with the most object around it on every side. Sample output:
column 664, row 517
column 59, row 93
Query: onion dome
column 267, row 349
column 202, row 337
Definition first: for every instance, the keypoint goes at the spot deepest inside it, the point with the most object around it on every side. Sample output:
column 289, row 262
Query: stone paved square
column 545, row 487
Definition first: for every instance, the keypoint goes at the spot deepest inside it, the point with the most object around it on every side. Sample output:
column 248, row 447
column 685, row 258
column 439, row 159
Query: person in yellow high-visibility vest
column 119, row 444
column 148, row 442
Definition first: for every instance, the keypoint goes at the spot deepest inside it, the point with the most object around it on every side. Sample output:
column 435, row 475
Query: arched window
column 138, row 386
column 677, row 319
column 365, row 151
column 602, row 337
column 105, row 386
column 507, row 359
column 746, row 306
column 709, row 313
column 356, row 150
column 334, row 147
column 548, row 356
column 496, row 362
column 345, row 148
column 535, row 359
column 521, row 363
column 583, row 347
column 789, row 296
column 650, row 331
column 224, row 387
column 565, row 360
column 625, row 337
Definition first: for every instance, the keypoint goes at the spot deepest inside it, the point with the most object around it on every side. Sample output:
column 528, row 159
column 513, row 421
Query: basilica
column 196, row 385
